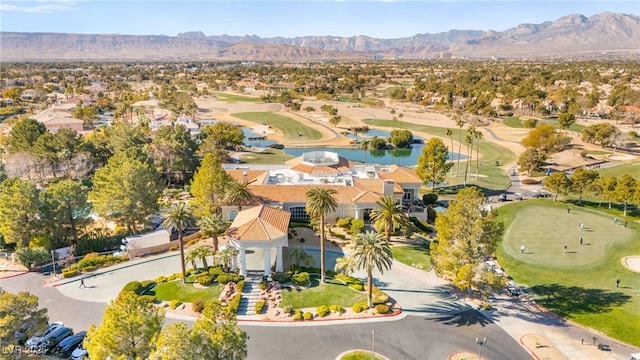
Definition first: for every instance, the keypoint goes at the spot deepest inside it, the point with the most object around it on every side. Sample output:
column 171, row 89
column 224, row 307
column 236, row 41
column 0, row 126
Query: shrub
column 359, row 307
column 67, row 273
column 197, row 305
column 378, row 144
column 227, row 278
column 349, row 280
column 173, row 248
column 357, row 287
column 357, row 225
column 174, row 304
column 150, row 298
column 530, row 181
column 430, row 198
column 263, row 283
column 337, row 308
column 133, row 286
column 234, row 304
column 344, row 222
column 36, row 256
column 161, row 279
column 323, row 311
column 282, row 278
column 301, row 279
column 308, row 315
column 259, row 306
column 216, row 271
column 287, row 309
column 331, row 273
column 298, row 315
column 382, row 308
column 379, row 296
column 205, row 279
column 240, row 285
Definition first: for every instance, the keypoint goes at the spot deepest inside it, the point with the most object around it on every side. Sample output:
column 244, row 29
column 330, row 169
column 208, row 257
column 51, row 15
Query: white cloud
column 40, row 6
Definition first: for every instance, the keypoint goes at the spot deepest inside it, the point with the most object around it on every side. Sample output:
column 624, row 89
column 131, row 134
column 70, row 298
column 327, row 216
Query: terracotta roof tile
column 400, row 174
column 252, row 175
column 260, row 223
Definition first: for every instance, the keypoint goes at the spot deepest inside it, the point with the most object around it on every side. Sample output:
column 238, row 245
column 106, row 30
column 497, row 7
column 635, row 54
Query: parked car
column 47, row 343
column 68, row 345
column 21, row 335
column 32, row 341
column 80, row 353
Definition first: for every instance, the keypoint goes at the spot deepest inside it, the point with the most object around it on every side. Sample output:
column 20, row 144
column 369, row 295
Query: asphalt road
column 416, row 336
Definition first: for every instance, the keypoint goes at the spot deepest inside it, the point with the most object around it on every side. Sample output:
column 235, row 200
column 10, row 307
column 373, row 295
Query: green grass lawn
column 625, row 169
column 268, row 156
column 416, row 255
column 360, row 355
column 172, row 290
column 490, row 177
column 321, row 294
column 578, row 285
column 289, row 127
column 236, row 98
column 516, row 122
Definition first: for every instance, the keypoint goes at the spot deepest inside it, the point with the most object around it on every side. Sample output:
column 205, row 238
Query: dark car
column 68, row 345
column 47, row 343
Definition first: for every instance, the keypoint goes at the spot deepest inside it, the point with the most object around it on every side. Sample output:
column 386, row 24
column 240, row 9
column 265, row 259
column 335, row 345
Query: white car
column 80, row 353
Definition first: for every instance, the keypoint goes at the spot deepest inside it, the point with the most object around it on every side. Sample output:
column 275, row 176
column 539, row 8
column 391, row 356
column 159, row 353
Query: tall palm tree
column 477, row 135
column 371, row 251
column 212, row 225
column 320, row 202
column 388, row 215
column 344, row 265
column 460, row 124
column 468, row 139
column 238, row 194
column 364, row 145
column 179, row 217
column 450, row 135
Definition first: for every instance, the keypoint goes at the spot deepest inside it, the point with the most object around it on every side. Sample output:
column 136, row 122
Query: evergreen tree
column 209, row 186
column 433, row 165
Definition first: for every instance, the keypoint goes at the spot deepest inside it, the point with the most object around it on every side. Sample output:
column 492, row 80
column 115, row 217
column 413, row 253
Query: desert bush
column 530, row 181
column 149, row 298
column 234, row 304
column 240, row 285
column 133, row 286
column 67, row 273
column 298, row 315
column 359, row 307
column 216, row 271
column 161, row 279
column 287, row 309
column 337, row 308
column 197, row 305
column 348, row 280
column 226, row 278
column 357, row 225
column 382, row 308
column 205, row 279
column 174, row 304
column 308, row 315
column 259, row 306
column 173, row 248
column 323, row 310
column 301, row 279
column 263, row 283
column 344, row 223
column 358, row 287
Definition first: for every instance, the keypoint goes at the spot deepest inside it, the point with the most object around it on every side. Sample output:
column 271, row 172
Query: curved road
column 433, row 325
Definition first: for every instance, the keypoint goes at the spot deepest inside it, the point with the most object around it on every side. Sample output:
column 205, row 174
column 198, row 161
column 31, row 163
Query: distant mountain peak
column 192, row 35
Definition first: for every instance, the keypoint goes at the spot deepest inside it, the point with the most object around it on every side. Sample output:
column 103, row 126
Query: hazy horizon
column 381, row 19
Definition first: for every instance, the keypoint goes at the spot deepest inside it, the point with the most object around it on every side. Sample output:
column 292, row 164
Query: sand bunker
column 632, row 263
column 622, row 157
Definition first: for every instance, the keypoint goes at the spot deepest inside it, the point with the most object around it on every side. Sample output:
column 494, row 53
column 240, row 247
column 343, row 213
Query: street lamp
column 481, row 342
column 53, row 257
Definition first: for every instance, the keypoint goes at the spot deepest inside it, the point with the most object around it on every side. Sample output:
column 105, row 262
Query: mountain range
column 605, row 35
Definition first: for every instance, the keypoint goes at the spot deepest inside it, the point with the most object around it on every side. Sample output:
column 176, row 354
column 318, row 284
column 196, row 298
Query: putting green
column 545, row 230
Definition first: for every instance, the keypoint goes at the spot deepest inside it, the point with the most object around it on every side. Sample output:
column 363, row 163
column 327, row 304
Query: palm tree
column 201, row 253
column 477, row 135
column 225, row 257
column 344, row 265
column 468, row 139
column 238, row 194
column 371, row 251
column 388, row 215
column 191, row 257
column 212, row 225
column 179, row 217
column 450, row 135
column 364, row 145
column 460, row 124
column 321, row 202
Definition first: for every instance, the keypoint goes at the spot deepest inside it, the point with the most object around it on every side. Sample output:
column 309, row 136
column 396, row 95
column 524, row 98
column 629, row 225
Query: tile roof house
column 55, row 119
column 357, row 187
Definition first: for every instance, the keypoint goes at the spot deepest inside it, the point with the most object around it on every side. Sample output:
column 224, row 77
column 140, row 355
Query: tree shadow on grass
column 565, row 301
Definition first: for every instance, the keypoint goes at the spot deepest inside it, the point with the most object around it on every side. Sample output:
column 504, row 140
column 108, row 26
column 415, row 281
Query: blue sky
column 382, row 18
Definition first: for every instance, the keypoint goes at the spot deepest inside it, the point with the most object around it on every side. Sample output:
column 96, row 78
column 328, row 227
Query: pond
column 403, row 157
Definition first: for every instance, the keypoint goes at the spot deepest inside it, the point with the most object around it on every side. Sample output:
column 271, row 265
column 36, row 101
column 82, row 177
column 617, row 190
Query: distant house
column 30, row 95
column 56, row 119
